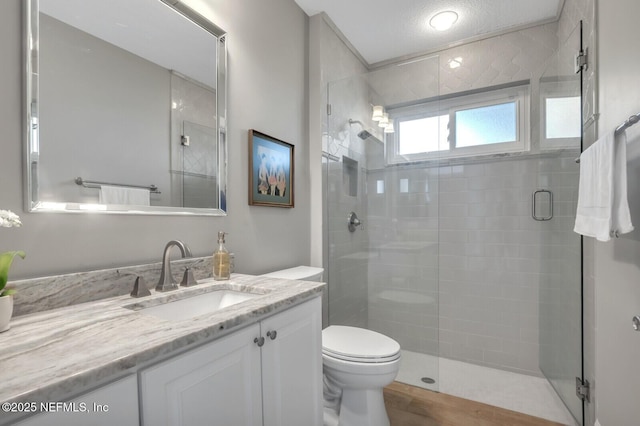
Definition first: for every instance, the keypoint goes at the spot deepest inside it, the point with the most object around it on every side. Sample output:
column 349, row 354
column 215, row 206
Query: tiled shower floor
column 513, row 391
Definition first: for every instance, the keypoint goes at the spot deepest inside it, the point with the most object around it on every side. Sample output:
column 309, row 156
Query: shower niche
column 350, row 176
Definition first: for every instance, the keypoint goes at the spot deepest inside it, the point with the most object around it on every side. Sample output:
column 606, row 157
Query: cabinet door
column 292, row 366
column 216, row 384
column 113, row 404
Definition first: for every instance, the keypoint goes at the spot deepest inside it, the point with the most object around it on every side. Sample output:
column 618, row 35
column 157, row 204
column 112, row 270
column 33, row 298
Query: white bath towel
column 123, row 195
column 603, row 207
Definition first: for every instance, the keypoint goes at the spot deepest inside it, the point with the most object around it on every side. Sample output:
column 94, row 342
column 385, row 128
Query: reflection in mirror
column 127, row 108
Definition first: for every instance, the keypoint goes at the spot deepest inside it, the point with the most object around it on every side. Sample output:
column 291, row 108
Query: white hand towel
column 603, row 208
column 123, row 195
column 621, row 215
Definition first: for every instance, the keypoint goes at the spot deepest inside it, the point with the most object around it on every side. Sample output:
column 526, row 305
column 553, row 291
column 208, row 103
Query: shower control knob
column 353, row 221
column 636, row 323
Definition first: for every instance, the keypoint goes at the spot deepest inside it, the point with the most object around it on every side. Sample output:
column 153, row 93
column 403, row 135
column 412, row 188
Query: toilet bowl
column 357, row 364
column 360, row 363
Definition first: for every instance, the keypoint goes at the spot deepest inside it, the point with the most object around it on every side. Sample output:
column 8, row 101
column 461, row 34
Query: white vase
column 6, row 310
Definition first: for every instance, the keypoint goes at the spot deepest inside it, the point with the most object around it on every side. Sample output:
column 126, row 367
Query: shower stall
column 463, row 250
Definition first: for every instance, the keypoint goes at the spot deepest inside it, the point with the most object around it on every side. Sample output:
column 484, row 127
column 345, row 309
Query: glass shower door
column 383, row 274
column 199, row 166
column 560, row 298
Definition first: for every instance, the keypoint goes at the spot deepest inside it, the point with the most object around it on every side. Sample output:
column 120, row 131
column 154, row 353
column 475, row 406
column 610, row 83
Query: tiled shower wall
column 465, row 281
column 347, row 303
column 494, row 257
column 344, row 173
column 489, row 265
column 347, row 251
column 454, row 262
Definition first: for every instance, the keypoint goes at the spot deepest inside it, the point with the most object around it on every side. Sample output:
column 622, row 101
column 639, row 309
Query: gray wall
column 267, row 91
column 109, row 108
column 617, row 263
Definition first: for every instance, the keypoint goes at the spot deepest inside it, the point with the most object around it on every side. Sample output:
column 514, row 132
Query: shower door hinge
column 328, row 109
column 582, row 60
column 583, row 390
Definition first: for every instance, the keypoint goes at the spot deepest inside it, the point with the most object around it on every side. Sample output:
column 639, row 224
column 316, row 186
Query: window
column 560, row 110
column 493, row 121
column 486, row 125
column 562, row 117
column 423, row 135
column 561, row 121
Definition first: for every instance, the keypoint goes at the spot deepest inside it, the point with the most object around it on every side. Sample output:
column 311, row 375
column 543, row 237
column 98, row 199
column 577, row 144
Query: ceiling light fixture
column 385, row 120
column 378, row 110
column 382, row 118
column 444, row 20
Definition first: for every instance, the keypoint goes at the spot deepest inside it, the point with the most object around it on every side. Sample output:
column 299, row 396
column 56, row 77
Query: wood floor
column 413, row 406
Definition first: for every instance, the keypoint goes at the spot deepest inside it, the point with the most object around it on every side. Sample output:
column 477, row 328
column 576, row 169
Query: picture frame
column 271, row 171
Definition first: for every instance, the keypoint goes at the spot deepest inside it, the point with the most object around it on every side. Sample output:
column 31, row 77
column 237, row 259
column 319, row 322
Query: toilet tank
column 304, row 273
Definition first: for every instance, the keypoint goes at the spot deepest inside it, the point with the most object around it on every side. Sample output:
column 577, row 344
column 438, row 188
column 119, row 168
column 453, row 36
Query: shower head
column 364, row 135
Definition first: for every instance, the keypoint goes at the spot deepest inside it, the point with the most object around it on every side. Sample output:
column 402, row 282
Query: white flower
column 9, row 219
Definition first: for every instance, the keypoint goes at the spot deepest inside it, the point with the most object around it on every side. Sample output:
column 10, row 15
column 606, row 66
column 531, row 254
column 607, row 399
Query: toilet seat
column 358, row 345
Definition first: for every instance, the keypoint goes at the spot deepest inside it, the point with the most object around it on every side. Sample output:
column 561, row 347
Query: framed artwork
column 270, row 171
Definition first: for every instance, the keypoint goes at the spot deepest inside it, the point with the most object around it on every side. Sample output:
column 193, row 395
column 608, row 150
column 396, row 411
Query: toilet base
column 363, row 407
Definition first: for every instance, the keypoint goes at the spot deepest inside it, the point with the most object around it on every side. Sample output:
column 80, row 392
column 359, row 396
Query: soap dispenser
column 221, row 260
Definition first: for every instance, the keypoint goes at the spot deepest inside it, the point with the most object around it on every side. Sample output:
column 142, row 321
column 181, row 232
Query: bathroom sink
column 193, row 306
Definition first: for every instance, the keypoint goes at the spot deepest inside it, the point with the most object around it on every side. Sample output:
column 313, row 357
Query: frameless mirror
column 126, row 108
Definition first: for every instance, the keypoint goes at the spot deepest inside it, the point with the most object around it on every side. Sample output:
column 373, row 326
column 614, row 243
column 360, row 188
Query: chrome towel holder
column 95, row 184
column 624, row 126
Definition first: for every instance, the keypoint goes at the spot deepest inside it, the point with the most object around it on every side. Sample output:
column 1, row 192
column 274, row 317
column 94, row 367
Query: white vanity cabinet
column 292, row 366
column 112, row 404
column 269, row 373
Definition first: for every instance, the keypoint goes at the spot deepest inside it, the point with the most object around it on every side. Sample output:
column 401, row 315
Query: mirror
column 126, row 108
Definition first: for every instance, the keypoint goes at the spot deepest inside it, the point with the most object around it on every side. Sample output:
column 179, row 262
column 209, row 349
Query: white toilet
column 361, row 362
column 357, row 365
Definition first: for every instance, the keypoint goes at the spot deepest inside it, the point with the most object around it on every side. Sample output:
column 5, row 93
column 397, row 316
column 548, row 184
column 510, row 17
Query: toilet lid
column 358, row 344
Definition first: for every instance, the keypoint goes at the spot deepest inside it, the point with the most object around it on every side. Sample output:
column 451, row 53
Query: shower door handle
column 534, row 201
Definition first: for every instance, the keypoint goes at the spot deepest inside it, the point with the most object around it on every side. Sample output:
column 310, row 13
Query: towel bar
column 624, row 126
column 628, row 123
column 95, row 184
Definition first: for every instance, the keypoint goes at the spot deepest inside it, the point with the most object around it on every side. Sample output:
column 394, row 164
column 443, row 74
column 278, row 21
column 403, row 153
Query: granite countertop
column 51, row 355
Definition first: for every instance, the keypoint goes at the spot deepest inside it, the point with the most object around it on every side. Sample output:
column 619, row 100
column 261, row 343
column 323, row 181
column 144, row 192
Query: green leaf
column 5, row 263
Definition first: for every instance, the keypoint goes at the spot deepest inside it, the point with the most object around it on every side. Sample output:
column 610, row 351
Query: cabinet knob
column 259, row 341
column 272, row 334
column 636, row 323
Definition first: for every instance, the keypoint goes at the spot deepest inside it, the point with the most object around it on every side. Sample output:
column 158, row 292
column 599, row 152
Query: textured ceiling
column 381, row 30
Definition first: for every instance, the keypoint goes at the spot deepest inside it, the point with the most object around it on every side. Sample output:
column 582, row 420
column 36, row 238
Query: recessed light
column 455, row 62
column 444, row 20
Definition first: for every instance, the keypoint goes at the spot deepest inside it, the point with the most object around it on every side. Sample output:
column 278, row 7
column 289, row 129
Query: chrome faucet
column 166, row 281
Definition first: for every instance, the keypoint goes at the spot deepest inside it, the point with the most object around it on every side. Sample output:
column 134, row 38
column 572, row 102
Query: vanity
column 255, row 361
column 80, row 349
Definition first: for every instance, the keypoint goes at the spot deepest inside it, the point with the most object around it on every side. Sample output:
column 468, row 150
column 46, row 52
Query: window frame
column 519, row 94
